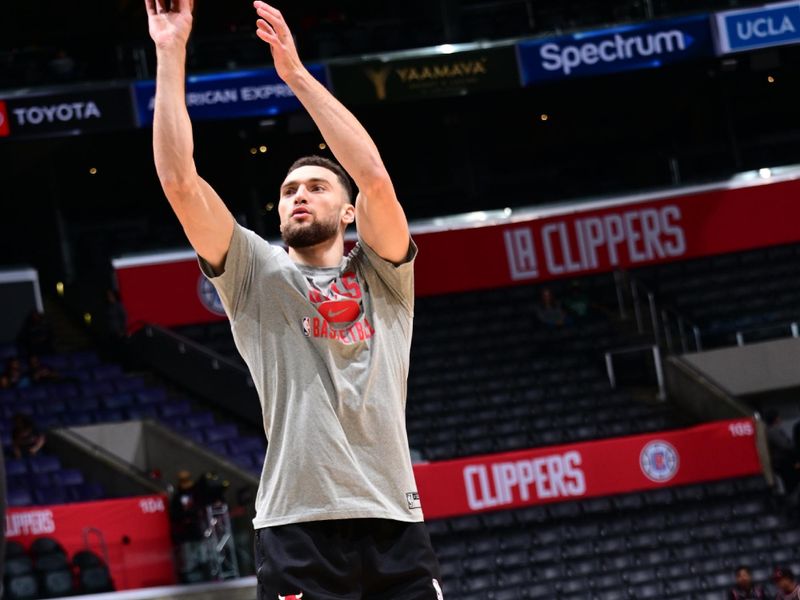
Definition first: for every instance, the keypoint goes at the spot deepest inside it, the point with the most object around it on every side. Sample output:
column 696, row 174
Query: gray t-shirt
column 328, row 350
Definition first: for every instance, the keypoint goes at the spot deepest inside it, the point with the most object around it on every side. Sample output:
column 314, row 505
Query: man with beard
column 745, row 589
column 326, row 337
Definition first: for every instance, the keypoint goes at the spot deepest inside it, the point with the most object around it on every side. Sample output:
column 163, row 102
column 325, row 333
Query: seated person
column 26, row 439
column 549, row 310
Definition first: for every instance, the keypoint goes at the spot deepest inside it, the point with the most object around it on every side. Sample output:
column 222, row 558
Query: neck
column 325, row 254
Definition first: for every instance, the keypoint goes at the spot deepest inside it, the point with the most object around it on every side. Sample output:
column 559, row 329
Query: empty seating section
column 680, row 543
column 92, row 392
column 488, row 376
column 755, row 292
column 45, row 571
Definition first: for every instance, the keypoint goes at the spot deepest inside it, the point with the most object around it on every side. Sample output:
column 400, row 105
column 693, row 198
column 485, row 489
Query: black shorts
column 358, row 559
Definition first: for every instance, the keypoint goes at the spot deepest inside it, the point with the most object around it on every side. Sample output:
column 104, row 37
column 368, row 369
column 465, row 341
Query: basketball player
column 326, row 337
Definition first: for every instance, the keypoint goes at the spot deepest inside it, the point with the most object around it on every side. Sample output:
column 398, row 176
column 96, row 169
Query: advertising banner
column 709, row 452
column 229, row 95
column 631, row 47
column 438, row 75
column 580, row 241
column 67, row 113
column 760, row 27
column 135, row 532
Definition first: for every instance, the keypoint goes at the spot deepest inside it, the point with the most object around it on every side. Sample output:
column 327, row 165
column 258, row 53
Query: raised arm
column 206, row 220
column 380, row 219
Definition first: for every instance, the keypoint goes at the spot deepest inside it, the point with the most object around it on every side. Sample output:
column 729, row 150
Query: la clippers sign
column 589, row 239
column 132, row 533
column 709, row 452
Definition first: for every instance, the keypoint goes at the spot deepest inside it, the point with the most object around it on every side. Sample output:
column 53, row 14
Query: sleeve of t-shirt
column 246, row 251
column 398, row 278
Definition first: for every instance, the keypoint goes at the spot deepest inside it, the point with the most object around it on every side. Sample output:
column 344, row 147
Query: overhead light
column 269, row 206
column 765, row 173
column 93, row 171
column 446, row 48
column 323, row 146
column 87, row 318
column 262, row 149
column 770, row 79
column 60, row 288
column 545, row 117
column 253, row 151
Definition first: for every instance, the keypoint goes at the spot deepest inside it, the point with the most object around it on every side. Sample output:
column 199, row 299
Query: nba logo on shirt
column 306, row 326
column 292, row 597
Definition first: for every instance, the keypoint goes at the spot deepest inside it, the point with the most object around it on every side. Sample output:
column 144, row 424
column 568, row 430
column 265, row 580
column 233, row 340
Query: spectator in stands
column 40, row 373
column 787, row 586
column 577, row 302
column 62, row 66
column 26, row 439
column 744, row 588
column 5, row 382
column 16, row 377
column 785, row 461
column 36, row 336
column 550, row 311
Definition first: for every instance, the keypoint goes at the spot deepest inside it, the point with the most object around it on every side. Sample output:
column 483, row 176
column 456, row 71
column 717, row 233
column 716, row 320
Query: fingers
column 273, row 16
column 182, row 6
column 266, row 32
column 150, row 6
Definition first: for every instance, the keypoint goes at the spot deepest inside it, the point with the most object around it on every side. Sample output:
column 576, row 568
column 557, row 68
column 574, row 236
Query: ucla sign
column 761, row 27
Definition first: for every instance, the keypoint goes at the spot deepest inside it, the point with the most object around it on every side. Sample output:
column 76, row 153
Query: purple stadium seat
column 151, row 396
column 44, row 463
column 83, row 403
column 51, row 406
column 16, row 466
column 96, row 388
column 23, row 408
column 200, row 419
column 176, row 423
column 106, row 372
column 41, row 480
column 81, row 360
column 90, row 491
column 32, row 394
column 78, row 418
column 78, row 375
column 250, row 443
column 175, row 409
column 67, row 477
column 117, row 401
column 245, row 461
column 220, row 433
column 63, row 390
column 59, row 362
column 51, row 495
column 129, row 384
column 19, row 496
column 218, row 448
column 44, row 422
column 7, row 396
column 18, row 481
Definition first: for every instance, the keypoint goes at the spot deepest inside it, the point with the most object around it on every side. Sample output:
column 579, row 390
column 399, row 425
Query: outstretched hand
column 169, row 27
column 272, row 28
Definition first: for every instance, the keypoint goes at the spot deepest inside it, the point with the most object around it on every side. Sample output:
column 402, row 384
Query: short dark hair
column 741, row 568
column 326, row 163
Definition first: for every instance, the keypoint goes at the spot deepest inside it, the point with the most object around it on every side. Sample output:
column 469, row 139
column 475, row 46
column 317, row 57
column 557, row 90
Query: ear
column 348, row 214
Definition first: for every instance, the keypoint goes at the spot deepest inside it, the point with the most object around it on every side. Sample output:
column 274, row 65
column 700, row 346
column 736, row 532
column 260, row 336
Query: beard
column 305, row 235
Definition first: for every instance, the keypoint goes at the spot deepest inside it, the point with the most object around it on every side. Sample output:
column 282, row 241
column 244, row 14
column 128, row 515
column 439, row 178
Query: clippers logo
column 291, row 597
column 209, row 297
column 659, row 461
column 5, row 131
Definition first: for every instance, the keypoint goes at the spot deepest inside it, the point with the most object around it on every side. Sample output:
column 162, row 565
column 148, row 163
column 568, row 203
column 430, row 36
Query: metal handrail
column 659, row 367
column 793, row 326
column 183, row 342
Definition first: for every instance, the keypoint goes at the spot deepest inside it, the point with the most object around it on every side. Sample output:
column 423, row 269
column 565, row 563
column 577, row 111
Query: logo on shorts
column 438, row 589
column 659, row 461
column 291, row 597
column 413, row 500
